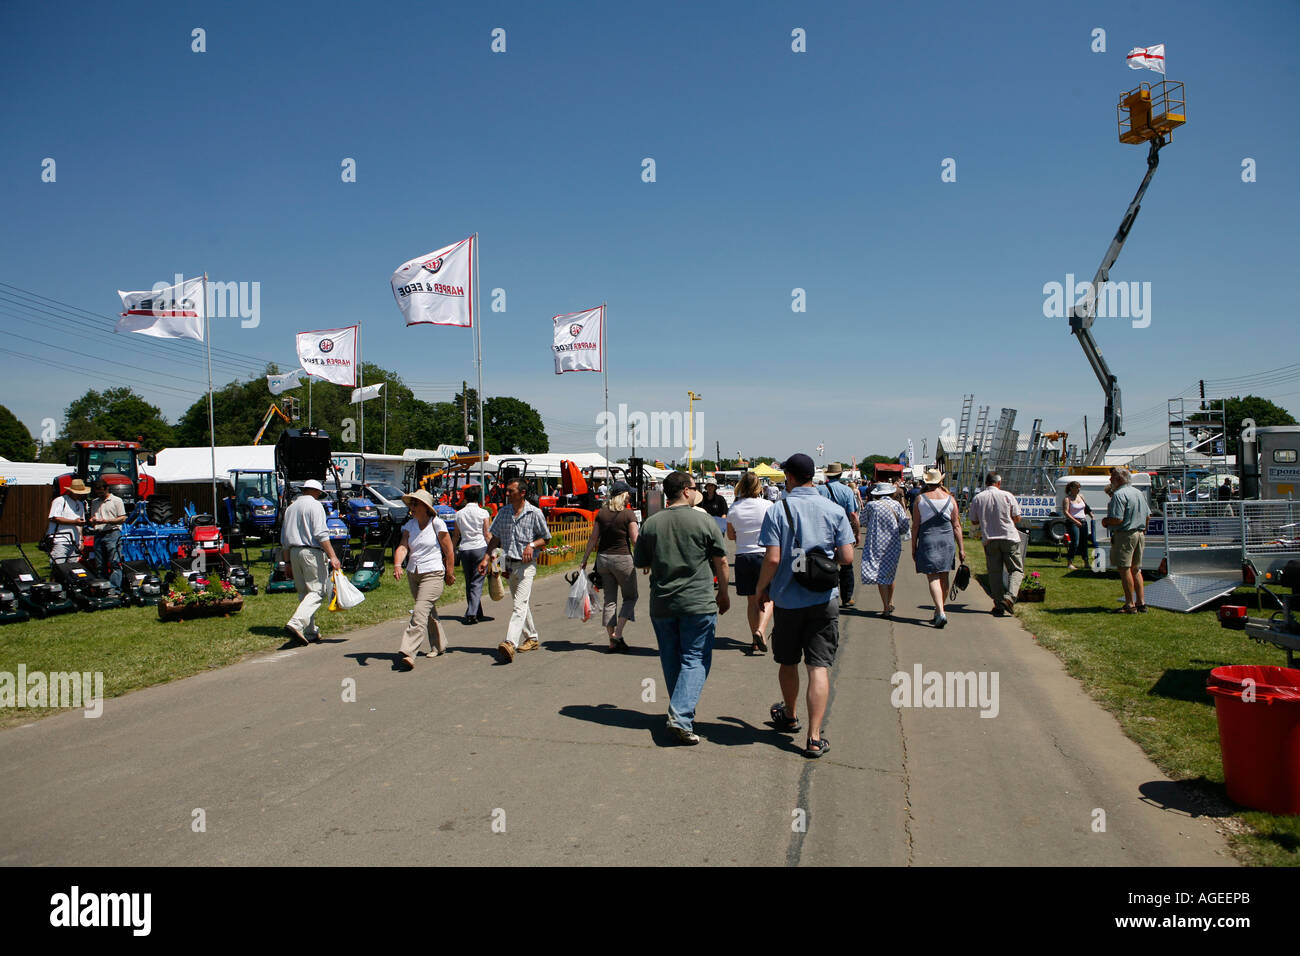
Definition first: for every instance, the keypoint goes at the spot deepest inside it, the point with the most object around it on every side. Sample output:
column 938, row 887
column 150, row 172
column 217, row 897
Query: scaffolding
column 1198, row 446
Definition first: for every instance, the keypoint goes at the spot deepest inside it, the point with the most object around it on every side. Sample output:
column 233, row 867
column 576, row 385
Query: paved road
column 560, row 750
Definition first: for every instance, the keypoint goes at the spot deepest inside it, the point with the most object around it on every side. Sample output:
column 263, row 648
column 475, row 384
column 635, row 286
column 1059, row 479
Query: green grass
column 133, row 649
column 1149, row 670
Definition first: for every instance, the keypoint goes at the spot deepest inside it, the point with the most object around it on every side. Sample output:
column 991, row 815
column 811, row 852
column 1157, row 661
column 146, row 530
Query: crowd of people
column 794, row 565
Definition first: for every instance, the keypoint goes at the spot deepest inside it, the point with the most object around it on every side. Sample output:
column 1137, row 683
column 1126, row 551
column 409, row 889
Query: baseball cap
column 800, row 466
column 620, row 487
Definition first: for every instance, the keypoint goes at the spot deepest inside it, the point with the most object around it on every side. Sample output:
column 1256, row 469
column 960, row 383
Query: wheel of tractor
column 159, row 509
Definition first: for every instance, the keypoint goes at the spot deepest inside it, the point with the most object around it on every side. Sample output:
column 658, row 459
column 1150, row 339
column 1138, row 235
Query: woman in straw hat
column 937, row 521
column 426, row 541
column 884, row 522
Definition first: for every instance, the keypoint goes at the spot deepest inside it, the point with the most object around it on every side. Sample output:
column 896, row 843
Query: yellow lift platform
column 1150, row 111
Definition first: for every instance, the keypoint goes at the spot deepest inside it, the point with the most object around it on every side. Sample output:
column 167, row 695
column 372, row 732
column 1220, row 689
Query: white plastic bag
column 578, row 606
column 346, row 594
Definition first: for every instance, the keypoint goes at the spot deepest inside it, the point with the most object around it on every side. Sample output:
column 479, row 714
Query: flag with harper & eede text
column 330, row 354
column 578, row 337
column 173, row 312
column 438, row 288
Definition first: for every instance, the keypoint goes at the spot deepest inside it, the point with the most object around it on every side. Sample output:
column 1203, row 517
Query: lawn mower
column 36, row 596
column 87, row 591
column 370, row 569
column 141, row 585
column 281, row 581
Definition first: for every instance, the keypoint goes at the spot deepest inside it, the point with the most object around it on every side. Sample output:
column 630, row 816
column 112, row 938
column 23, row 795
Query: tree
column 866, row 460
column 15, row 440
column 117, row 414
column 514, row 427
column 1261, row 410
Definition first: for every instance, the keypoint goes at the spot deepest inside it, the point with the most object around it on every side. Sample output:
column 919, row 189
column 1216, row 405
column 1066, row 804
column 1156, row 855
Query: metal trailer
column 1203, row 553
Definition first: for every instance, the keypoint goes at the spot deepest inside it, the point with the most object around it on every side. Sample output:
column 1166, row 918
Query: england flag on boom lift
column 1147, row 58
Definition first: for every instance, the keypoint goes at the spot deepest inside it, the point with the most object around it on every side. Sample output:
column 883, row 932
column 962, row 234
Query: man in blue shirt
column 805, row 623
column 837, row 491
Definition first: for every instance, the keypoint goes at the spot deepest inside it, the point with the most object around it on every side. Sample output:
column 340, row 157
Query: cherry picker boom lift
column 1146, row 114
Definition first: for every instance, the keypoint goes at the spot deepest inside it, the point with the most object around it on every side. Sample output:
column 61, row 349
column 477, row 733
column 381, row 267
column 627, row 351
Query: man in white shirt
column 107, row 515
column 67, row 518
column 471, row 533
column 306, row 538
column 995, row 512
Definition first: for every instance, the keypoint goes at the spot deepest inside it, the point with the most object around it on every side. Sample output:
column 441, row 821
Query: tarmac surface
column 562, row 758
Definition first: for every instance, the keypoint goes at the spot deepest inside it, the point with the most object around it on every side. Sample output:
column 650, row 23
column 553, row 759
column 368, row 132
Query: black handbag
column 815, row 571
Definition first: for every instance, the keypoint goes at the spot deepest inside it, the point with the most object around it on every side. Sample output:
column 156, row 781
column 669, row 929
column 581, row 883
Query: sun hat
column 313, row 484
column 933, row 476
column 833, row 469
column 423, row 497
column 881, row 489
column 78, row 487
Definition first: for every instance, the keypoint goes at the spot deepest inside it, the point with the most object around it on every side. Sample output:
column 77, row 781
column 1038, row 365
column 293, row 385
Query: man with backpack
column 806, row 536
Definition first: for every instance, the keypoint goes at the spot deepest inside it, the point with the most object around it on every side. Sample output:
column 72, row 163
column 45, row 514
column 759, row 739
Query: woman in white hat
column 884, row 522
column 937, row 521
column 425, row 551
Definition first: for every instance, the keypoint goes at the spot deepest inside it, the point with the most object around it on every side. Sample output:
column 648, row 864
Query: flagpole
column 212, row 427
column 478, row 360
column 385, row 416
column 604, row 367
column 309, row 400
column 360, row 379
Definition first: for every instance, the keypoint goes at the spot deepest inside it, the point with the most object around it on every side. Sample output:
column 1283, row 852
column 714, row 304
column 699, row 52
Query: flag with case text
column 438, row 288
column 578, row 340
column 330, row 354
column 365, row 393
column 166, row 312
column 282, row 383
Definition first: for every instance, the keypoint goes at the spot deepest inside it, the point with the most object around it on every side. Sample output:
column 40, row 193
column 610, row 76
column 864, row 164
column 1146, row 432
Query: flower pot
column 180, row 612
column 1031, row 597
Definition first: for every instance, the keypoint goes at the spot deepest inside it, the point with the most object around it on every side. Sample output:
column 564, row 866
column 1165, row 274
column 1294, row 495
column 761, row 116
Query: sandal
column 784, row 724
column 1126, row 609
column 759, row 644
column 1140, row 608
column 816, row 748
column 620, row 647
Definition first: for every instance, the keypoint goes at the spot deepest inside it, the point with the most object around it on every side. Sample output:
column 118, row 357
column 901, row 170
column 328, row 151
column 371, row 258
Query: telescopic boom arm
column 1082, row 317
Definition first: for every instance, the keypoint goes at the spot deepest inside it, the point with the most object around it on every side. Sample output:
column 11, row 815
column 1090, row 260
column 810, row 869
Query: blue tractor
column 254, row 506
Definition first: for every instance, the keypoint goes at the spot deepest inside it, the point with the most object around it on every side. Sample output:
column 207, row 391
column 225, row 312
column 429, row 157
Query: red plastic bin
column 1259, row 739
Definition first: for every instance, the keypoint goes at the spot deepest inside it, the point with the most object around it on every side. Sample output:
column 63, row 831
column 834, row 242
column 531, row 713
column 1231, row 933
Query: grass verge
column 133, row 649
column 1149, row 670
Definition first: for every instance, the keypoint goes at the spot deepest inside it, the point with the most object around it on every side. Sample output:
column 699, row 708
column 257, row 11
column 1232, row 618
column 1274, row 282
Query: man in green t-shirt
column 1127, row 520
column 683, row 549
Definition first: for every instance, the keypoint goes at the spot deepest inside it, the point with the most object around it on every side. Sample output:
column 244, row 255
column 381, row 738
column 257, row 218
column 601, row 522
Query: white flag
column 282, row 383
column 578, row 338
column 330, row 354
column 1148, row 58
column 171, row 312
column 366, row 392
column 438, row 289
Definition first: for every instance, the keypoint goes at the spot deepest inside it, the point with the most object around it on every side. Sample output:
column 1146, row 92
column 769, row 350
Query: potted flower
column 1032, row 588
column 217, row 598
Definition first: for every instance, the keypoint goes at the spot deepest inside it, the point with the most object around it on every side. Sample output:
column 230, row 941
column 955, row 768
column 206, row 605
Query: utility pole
column 464, row 406
column 690, row 426
column 717, row 450
column 1202, row 394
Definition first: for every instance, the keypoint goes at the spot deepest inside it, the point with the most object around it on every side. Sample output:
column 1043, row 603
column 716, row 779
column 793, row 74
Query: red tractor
column 118, row 464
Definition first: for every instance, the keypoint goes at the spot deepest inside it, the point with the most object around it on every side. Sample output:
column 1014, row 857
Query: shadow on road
column 601, row 648
column 363, row 658
column 725, row 735
column 1196, row 798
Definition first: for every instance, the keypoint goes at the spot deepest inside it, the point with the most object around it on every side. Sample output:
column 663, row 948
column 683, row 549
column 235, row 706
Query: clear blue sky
column 775, row 170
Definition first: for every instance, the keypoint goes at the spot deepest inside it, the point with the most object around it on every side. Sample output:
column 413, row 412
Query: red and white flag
column 438, row 288
column 167, row 312
column 578, row 341
column 1147, row 58
column 330, row 354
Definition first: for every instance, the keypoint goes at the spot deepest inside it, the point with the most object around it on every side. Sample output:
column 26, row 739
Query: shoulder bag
column 816, row 571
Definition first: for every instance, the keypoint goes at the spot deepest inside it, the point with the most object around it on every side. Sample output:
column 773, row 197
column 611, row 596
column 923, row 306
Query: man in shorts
column 805, row 623
column 1127, row 520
